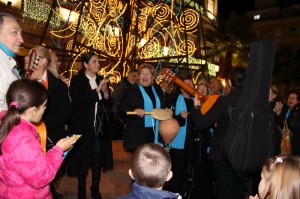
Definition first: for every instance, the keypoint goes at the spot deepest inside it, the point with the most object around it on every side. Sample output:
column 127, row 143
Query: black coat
column 82, row 122
column 217, row 114
column 135, row 134
column 120, row 89
column 276, row 133
column 58, row 109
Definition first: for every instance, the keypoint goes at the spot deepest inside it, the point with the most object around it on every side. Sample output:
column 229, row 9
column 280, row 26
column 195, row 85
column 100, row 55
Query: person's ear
column 170, row 175
column 130, row 174
column 29, row 113
column 85, row 64
column 44, row 63
column 32, row 111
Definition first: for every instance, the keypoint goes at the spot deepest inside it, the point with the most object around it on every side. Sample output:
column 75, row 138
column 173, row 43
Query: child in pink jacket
column 25, row 171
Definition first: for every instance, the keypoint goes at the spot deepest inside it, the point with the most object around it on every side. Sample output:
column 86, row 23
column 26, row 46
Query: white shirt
column 6, row 77
column 93, row 84
column 44, row 77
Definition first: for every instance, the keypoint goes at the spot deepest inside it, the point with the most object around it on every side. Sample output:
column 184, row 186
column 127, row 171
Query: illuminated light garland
column 39, row 11
column 212, row 69
column 189, row 20
column 161, row 11
column 160, row 26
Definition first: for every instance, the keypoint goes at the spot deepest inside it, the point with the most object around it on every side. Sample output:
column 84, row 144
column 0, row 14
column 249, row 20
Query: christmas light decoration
column 127, row 33
column 39, row 11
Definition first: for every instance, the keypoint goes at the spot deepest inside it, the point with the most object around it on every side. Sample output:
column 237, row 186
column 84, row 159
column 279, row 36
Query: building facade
column 277, row 20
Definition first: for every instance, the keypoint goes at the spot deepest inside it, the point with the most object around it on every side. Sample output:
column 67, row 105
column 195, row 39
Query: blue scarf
column 6, row 50
column 148, row 106
column 287, row 114
column 179, row 140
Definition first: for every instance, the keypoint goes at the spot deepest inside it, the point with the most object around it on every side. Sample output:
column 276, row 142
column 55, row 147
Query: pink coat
column 25, row 171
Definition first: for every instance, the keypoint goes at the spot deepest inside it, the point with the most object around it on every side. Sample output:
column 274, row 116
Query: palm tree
column 230, row 40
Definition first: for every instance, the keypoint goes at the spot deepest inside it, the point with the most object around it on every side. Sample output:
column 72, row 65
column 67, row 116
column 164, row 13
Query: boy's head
column 151, row 166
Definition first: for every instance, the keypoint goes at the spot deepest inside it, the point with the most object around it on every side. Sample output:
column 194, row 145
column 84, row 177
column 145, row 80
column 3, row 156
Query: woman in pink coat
column 25, row 171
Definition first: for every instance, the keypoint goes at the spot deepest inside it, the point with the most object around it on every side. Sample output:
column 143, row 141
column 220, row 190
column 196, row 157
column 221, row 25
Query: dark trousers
column 229, row 185
column 96, row 164
column 149, row 133
column 179, row 167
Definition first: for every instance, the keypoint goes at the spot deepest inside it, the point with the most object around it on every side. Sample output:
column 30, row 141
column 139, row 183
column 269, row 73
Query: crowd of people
column 48, row 123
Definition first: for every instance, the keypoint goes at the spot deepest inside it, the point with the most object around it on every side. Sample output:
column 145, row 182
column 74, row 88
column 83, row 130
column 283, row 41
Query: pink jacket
column 25, row 171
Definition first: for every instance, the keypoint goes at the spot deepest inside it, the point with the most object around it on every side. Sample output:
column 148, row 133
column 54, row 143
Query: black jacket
column 120, row 89
column 82, row 122
column 217, row 114
column 135, row 131
column 58, row 111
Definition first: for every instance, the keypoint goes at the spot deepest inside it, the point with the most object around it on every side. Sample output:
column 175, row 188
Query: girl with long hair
column 25, row 171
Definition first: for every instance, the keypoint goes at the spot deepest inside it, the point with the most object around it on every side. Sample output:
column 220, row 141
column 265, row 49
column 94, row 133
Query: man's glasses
column 202, row 88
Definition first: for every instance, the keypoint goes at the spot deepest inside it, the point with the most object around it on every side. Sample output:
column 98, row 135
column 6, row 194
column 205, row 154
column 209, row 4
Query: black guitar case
column 248, row 141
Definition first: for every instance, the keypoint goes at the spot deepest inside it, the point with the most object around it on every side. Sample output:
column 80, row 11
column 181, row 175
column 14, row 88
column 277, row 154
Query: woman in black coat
column 87, row 91
column 290, row 112
column 139, row 98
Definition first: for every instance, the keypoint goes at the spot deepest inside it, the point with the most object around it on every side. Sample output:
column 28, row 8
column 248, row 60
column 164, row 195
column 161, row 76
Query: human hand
column 140, row 112
column 170, row 112
column 254, row 197
column 66, row 143
column 196, row 102
column 67, row 82
column 183, row 114
column 102, row 85
column 278, row 108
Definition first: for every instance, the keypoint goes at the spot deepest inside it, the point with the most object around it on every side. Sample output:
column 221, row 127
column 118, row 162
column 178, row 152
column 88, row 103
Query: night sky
column 239, row 6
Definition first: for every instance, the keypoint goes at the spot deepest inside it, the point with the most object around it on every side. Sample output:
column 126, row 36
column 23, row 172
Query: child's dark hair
column 150, row 165
column 21, row 95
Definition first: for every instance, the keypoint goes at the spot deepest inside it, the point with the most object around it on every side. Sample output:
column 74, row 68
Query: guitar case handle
column 230, row 112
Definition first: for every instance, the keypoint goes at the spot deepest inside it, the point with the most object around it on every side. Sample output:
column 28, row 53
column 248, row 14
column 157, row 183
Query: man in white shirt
column 10, row 42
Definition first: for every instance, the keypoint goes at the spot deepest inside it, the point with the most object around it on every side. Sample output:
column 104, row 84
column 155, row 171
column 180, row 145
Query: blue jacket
column 141, row 192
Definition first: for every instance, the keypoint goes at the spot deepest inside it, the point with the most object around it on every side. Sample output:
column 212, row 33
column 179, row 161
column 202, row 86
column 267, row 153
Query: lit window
column 256, row 17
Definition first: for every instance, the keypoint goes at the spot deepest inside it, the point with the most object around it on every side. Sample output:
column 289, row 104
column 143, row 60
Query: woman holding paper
column 25, row 171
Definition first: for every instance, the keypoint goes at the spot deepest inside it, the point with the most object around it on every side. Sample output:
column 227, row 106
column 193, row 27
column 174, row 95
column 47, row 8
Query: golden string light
column 156, row 31
column 188, row 20
column 39, row 11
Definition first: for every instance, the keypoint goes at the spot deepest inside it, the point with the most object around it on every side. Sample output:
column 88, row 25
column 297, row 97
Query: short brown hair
column 150, row 165
column 146, row 65
column 2, row 15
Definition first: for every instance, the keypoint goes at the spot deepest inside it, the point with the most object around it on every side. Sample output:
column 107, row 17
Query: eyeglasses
column 202, row 88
